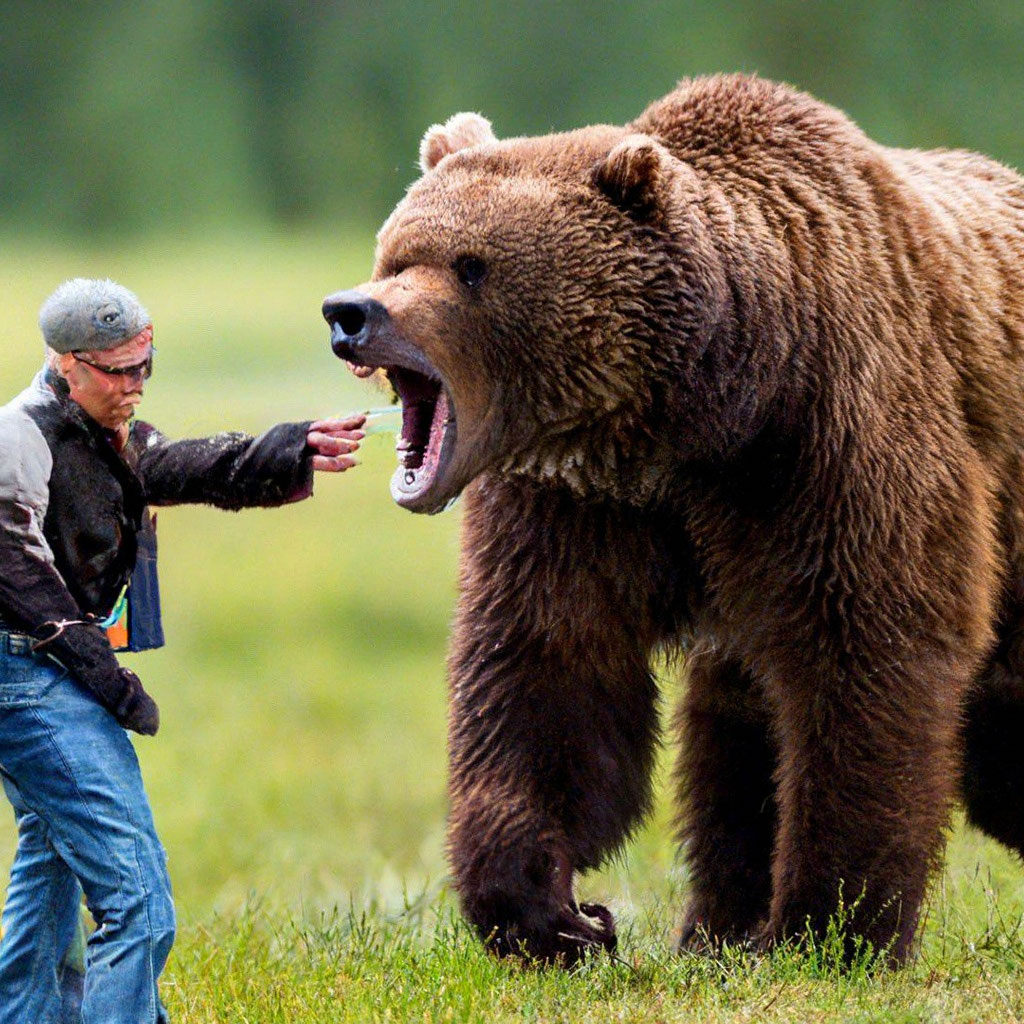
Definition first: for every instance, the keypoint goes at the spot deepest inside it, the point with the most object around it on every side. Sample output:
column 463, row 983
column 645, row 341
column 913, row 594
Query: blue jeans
column 83, row 824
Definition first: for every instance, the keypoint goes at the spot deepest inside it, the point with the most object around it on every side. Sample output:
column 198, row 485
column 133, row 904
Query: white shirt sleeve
column 25, row 465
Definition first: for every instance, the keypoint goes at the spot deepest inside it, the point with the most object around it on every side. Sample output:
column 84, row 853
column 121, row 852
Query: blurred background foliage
column 119, row 115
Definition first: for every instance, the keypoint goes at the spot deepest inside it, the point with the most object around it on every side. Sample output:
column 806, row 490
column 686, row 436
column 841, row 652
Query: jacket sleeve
column 32, row 591
column 229, row 470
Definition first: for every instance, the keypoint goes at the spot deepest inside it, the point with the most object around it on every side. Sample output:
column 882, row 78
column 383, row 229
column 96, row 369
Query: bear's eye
column 470, row 270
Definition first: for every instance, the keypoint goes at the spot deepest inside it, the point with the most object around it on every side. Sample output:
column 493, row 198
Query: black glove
column 82, row 648
column 136, row 710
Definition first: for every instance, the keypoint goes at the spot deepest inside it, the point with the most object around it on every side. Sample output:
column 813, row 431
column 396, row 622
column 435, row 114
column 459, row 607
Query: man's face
column 109, row 398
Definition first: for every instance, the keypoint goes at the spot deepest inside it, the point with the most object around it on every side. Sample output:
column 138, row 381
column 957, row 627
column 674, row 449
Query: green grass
column 418, row 962
column 298, row 777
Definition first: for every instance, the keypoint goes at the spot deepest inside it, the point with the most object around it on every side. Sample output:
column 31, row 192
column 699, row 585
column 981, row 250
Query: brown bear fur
column 732, row 379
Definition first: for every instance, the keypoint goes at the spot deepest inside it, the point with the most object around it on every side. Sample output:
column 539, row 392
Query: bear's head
column 534, row 303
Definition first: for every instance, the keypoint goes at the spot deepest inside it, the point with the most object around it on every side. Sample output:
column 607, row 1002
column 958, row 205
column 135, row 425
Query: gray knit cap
column 84, row 315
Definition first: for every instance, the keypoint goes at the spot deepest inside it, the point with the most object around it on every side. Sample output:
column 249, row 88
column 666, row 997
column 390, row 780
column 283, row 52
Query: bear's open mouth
column 428, row 434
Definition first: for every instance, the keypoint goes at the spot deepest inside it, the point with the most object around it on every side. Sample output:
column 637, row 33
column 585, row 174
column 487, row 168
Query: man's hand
column 135, row 709
column 334, row 441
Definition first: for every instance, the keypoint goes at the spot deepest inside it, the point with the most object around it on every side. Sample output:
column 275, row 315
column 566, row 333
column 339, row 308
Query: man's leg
column 71, row 974
column 39, row 918
column 75, row 767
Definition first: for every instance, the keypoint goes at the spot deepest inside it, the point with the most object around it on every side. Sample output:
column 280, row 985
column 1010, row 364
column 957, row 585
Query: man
column 77, row 555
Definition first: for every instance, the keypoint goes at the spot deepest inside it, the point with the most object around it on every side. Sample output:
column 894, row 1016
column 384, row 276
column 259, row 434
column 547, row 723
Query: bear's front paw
column 565, row 938
column 600, row 924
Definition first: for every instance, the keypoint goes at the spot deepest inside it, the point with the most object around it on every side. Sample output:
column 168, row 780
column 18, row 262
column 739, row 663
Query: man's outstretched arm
column 234, row 470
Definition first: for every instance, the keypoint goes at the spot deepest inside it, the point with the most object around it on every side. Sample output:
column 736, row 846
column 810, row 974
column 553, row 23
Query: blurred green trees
column 198, row 113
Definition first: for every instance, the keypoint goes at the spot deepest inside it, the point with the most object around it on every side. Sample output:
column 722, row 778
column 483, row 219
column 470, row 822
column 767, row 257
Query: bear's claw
column 580, row 931
column 606, row 921
column 572, row 935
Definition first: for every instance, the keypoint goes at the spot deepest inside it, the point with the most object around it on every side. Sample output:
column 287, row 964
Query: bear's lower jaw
column 418, row 483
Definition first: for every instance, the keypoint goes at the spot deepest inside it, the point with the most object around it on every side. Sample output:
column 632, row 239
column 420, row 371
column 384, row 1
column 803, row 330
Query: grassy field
column 298, row 778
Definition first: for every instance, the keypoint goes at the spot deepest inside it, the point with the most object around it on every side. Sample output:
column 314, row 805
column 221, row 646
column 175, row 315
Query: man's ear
column 458, row 132
column 632, row 175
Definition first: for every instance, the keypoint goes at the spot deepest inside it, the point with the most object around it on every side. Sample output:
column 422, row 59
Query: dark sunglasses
column 138, row 371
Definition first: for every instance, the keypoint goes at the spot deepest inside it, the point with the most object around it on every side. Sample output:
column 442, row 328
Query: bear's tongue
column 419, row 396
column 425, row 425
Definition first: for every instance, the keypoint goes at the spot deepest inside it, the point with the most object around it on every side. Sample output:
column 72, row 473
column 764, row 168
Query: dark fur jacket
column 72, row 507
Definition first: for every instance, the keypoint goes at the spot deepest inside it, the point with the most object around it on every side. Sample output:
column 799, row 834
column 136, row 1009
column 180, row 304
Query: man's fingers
column 333, row 463
column 332, row 444
column 334, row 440
column 361, row 371
column 341, row 425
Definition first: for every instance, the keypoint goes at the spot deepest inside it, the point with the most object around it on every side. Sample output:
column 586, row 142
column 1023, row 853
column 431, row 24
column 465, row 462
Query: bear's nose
column 353, row 317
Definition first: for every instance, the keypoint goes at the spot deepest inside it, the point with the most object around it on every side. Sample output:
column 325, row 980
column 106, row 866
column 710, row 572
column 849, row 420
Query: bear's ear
column 631, row 175
column 458, row 132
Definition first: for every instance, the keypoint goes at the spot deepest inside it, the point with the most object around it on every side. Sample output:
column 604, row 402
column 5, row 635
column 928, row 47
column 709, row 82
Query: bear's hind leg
column 993, row 773
column 866, row 777
column 727, row 802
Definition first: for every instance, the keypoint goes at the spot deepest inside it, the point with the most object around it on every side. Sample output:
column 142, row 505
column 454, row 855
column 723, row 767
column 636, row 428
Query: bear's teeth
column 411, row 458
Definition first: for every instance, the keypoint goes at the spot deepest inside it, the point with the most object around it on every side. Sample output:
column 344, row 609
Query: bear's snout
column 353, row 317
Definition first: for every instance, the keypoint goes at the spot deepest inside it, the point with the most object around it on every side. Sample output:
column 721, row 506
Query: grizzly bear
column 734, row 381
